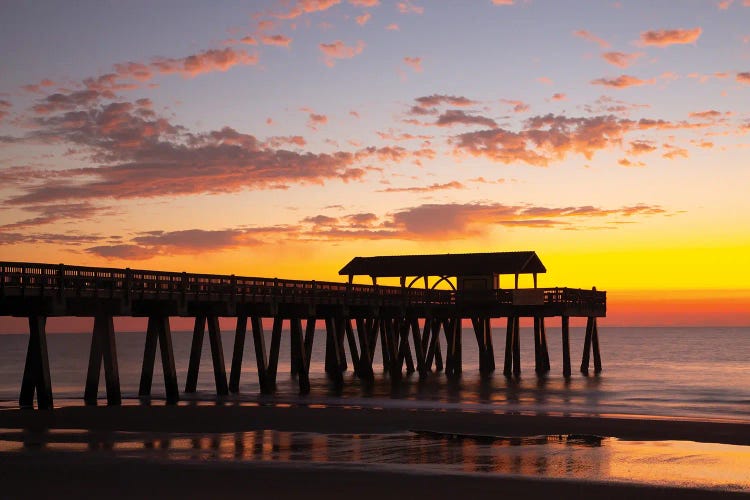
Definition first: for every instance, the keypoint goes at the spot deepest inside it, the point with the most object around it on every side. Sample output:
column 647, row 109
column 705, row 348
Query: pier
column 418, row 328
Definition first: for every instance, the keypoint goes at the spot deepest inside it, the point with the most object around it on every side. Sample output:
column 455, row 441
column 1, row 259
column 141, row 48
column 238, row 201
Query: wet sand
column 84, row 475
column 332, row 419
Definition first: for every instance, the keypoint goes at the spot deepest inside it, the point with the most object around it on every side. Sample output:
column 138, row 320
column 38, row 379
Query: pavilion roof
column 467, row 264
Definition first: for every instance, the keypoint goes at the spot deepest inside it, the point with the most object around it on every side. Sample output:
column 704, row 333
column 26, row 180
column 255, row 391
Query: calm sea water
column 701, row 373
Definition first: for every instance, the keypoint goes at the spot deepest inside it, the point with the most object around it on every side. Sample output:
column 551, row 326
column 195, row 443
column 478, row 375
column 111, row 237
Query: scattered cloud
column 362, row 19
column 407, row 7
column 621, row 59
column 316, row 119
column 587, row 35
column 435, row 221
column 425, row 189
column 518, row 106
column 365, row 3
column 622, row 81
column 459, row 117
column 641, row 147
column 503, row 2
column 392, row 27
column 545, row 80
column 559, row 97
column 665, row 38
column 277, row 40
column 744, row 78
column 339, row 50
column 140, row 156
column 196, row 64
column 306, row 7
column 4, row 107
column 249, row 40
column 414, row 63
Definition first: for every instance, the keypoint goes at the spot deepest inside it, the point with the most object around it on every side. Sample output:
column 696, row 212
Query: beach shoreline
column 332, row 419
column 43, row 471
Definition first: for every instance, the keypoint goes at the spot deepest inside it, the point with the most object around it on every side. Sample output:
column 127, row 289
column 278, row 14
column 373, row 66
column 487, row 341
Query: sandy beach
column 84, row 475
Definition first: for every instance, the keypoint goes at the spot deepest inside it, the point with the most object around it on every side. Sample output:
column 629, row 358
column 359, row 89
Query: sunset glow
column 282, row 138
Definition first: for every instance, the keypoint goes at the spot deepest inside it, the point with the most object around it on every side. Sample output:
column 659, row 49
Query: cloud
column 140, row 156
column 4, row 107
column 277, row 40
column 587, row 35
column 55, row 213
column 189, row 241
column 362, row 19
column 549, row 138
column 641, row 147
column 545, row 80
column 672, row 152
column 665, row 38
column 291, row 140
column 249, row 40
column 392, row 27
column 744, row 78
column 425, row 189
column 724, row 4
column 72, row 239
column 622, row 81
column 710, row 114
column 407, row 7
column 339, row 50
column 62, row 102
column 559, row 97
column 621, row 59
column 414, row 63
column 38, row 87
column 518, row 106
column 205, row 62
column 316, row 120
column 435, row 221
column 307, row 7
column 503, row 2
column 365, row 3
column 456, row 116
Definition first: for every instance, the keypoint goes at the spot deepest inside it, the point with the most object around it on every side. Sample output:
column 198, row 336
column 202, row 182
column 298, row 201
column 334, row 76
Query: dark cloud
column 456, row 116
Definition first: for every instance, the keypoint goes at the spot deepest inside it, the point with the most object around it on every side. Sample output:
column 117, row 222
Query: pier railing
column 31, row 279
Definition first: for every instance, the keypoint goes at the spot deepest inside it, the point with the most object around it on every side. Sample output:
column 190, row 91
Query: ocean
column 675, row 372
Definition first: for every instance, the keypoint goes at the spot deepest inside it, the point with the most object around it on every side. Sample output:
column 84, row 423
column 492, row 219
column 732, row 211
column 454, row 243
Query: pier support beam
column 299, row 353
column 365, row 356
column 483, row 334
column 158, row 331
column 103, row 348
column 217, row 355
column 591, row 342
column 196, row 349
column 353, row 351
column 333, row 351
column 273, row 353
column 239, row 347
column 541, row 362
column 566, row 346
column 512, row 364
column 36, row 377
column 259, row 342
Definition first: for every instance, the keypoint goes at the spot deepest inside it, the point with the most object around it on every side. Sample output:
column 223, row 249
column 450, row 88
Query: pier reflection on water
column 676, row 463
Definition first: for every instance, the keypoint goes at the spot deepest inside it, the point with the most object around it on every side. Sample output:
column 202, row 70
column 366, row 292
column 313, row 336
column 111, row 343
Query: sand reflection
column 675, row 463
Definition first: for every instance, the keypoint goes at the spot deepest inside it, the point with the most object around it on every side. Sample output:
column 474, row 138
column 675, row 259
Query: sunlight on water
column 669, row 463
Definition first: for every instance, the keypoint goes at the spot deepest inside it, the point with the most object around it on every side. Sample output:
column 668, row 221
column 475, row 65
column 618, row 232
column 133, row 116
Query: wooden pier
column 409, row 323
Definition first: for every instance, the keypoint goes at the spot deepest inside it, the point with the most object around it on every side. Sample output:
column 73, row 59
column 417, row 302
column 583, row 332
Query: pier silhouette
column 409, row 322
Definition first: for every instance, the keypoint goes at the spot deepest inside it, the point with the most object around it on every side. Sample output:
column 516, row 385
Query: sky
column 283, row 138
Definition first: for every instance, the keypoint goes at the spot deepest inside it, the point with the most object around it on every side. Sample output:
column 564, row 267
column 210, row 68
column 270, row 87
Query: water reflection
column 677, row 463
